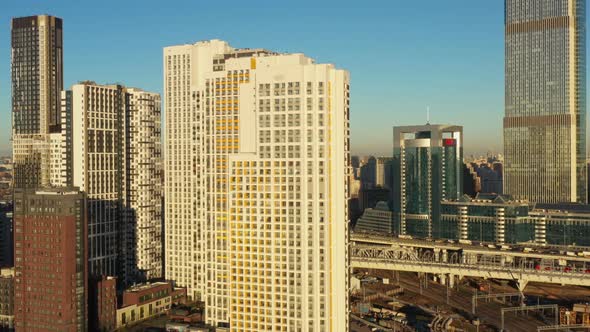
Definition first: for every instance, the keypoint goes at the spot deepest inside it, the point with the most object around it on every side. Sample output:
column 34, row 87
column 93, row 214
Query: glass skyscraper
column 545, row 119
column 427, row 163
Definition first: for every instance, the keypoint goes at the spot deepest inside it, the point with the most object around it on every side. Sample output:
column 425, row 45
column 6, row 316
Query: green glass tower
column 427, row 169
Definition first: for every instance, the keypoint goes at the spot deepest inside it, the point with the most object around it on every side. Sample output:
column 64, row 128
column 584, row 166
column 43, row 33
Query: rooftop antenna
column 427, row 115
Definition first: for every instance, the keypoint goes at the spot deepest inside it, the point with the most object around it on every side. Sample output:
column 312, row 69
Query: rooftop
column 488, row 199
column 381, row 206
column 7, row 272
column 145, row 286
column 564, row 207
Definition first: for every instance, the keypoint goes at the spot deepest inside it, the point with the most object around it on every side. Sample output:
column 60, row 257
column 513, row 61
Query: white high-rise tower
column 116, row 161
column 257, row 165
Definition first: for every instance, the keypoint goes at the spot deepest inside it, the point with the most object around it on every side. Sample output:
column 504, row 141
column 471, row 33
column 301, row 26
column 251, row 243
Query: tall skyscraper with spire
column 545, row 102
column 37, row 80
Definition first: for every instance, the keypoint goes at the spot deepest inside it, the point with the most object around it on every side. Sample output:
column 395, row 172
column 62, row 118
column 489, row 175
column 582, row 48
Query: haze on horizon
column 402, row 56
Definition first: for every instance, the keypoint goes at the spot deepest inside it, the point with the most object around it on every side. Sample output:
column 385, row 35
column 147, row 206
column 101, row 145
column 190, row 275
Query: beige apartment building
column 257, row 171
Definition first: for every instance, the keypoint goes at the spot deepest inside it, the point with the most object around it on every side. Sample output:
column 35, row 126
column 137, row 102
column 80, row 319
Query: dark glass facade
column 500, row 219
column 427, row 168
column 418, row 180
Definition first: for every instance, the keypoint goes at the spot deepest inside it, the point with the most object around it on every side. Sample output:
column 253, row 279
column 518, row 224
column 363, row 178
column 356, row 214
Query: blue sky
column 402, row 55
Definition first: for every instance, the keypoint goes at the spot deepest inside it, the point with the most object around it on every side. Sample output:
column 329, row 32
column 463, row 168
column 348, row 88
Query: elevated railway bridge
column 452, row 261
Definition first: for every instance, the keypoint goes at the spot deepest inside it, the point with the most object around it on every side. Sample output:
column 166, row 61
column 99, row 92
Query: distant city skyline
column 401, row 56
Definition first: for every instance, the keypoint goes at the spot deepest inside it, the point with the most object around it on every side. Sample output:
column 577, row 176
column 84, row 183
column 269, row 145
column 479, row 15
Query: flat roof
column 142, row 287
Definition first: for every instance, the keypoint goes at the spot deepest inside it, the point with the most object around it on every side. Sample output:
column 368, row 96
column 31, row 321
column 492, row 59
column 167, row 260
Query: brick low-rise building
column 102, row 307
column 147, row 300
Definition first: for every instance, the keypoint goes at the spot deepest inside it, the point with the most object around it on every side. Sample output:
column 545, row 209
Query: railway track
column 460, row 299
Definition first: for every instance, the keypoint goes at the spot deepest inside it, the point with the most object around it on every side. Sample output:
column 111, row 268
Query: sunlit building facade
column 97, row 170
column 257, row 165
column 545, row 111
column 37, row 80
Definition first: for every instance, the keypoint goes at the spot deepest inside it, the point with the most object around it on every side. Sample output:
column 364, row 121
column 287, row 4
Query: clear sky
column 402, row 55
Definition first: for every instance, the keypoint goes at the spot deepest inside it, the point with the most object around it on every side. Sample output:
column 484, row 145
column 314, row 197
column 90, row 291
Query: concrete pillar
column 500, row 226
column 452, row 280
column 540, row 230
column 521, row 283
column 445, row 256
column 442, row 279
column 463, row 227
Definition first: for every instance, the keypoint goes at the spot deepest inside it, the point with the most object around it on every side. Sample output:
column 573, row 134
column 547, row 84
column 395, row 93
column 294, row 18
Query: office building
column 257, row 152
column 488, row 174
column 355, row 162
column 354, row 186
column 368, row 173
column 354, row 209
column 378, row 220
column 50, row 260
column 502, row 219
column 545, row 111
column 369, row 197
column 383, row 172
column 116, row 160
column 37, row 79
column 428, row 167
column 471, row 182
column 7, row 299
